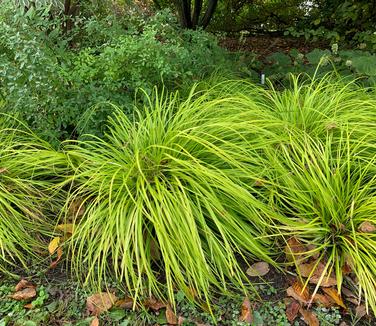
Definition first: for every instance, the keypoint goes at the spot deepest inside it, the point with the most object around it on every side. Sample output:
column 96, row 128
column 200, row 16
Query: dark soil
column 264, row 45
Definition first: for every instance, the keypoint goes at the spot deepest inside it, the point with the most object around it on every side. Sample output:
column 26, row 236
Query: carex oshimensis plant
column 324, row 193
column 29, row 200
column 168, row 197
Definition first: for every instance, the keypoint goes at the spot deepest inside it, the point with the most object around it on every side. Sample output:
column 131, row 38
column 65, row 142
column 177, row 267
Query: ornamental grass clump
column 325, row 193
column 29, row 200
column 168, row 198
column 320, row 178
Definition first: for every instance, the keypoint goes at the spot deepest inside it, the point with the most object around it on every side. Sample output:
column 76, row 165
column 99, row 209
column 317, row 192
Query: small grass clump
column 28, row 170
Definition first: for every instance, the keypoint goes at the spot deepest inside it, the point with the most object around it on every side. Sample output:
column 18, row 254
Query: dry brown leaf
column 360, row 311
column 100, row 302
column 295, row 250
column 333, row 294
column 181, row 320
column 258, row 269
column 314, row 273
column 154, row 304
column 23, row 284
column 24, row 294
column 367, row 227
column 53, row 245
column 246, row 314
column 354, row 301
column 309, row 317
column 28, row 306
column 323, row 300
column 348, row 293
column 292, row 310
column 76, row 208
column 3, row 170
column 94, row 321
column 170, row 316
column 343, row 323
column 298, row 293
column 59, row 252
column 126, row 303
column 66, row 228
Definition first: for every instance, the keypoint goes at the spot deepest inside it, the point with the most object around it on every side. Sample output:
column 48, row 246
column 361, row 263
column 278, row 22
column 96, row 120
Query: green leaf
column 365, row 65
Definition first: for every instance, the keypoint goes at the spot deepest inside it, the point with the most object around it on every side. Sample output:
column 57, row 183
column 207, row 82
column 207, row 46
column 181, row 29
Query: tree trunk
column 212, row 5
column 196, row 13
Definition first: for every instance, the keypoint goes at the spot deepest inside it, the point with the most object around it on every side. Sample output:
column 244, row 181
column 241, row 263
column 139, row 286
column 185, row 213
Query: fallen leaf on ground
column 348, row 293
column 67, row 228
column 343, row 323
column 24, row 294
column 360, row 311
column 170, row 316
column 23, row 284
column 346, row 269
column 323, row 300
column 28, row 306
column 181, row 320
column 292, row 310
column 95, row 321
column 298, row 293
column 246, row 314
column 154, row 304
column 258, row 269
column 126, row 303
column 59, row 252
column 367, row 227
column 3, row 170
column 76, row 208
column 309, row 317
column 100, row 302
column 333, row 293
column 314, row 273
column 53, row 245
column 295, row 250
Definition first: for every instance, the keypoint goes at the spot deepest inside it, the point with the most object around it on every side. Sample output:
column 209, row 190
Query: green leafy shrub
column 168, row 198
column 53, row 79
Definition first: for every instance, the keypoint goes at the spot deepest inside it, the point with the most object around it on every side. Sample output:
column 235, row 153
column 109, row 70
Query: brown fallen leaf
column 347, row 293
column 28, row 306
column 314, row 272
column 246, row 314
column 299, row 293
column 333, row 294
column 66, row 228
column 94, row 321
column 258, row 269
column 23, row 284
column 360, row 311
column 53, row 245
column 181, row 320
column 100, row 302
column 3, row 170
column 367, row 227
column 76, row 208
column 170, row 316
column 343, row 323
column 24, row 294
column 126, row 303
column 309, row 317
column 59, row 252
column 295, row 250
column 323, row 300
column 154, row 304
column 292, row 310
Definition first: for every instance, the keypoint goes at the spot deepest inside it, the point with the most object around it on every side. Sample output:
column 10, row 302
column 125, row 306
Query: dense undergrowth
column 190, row 190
